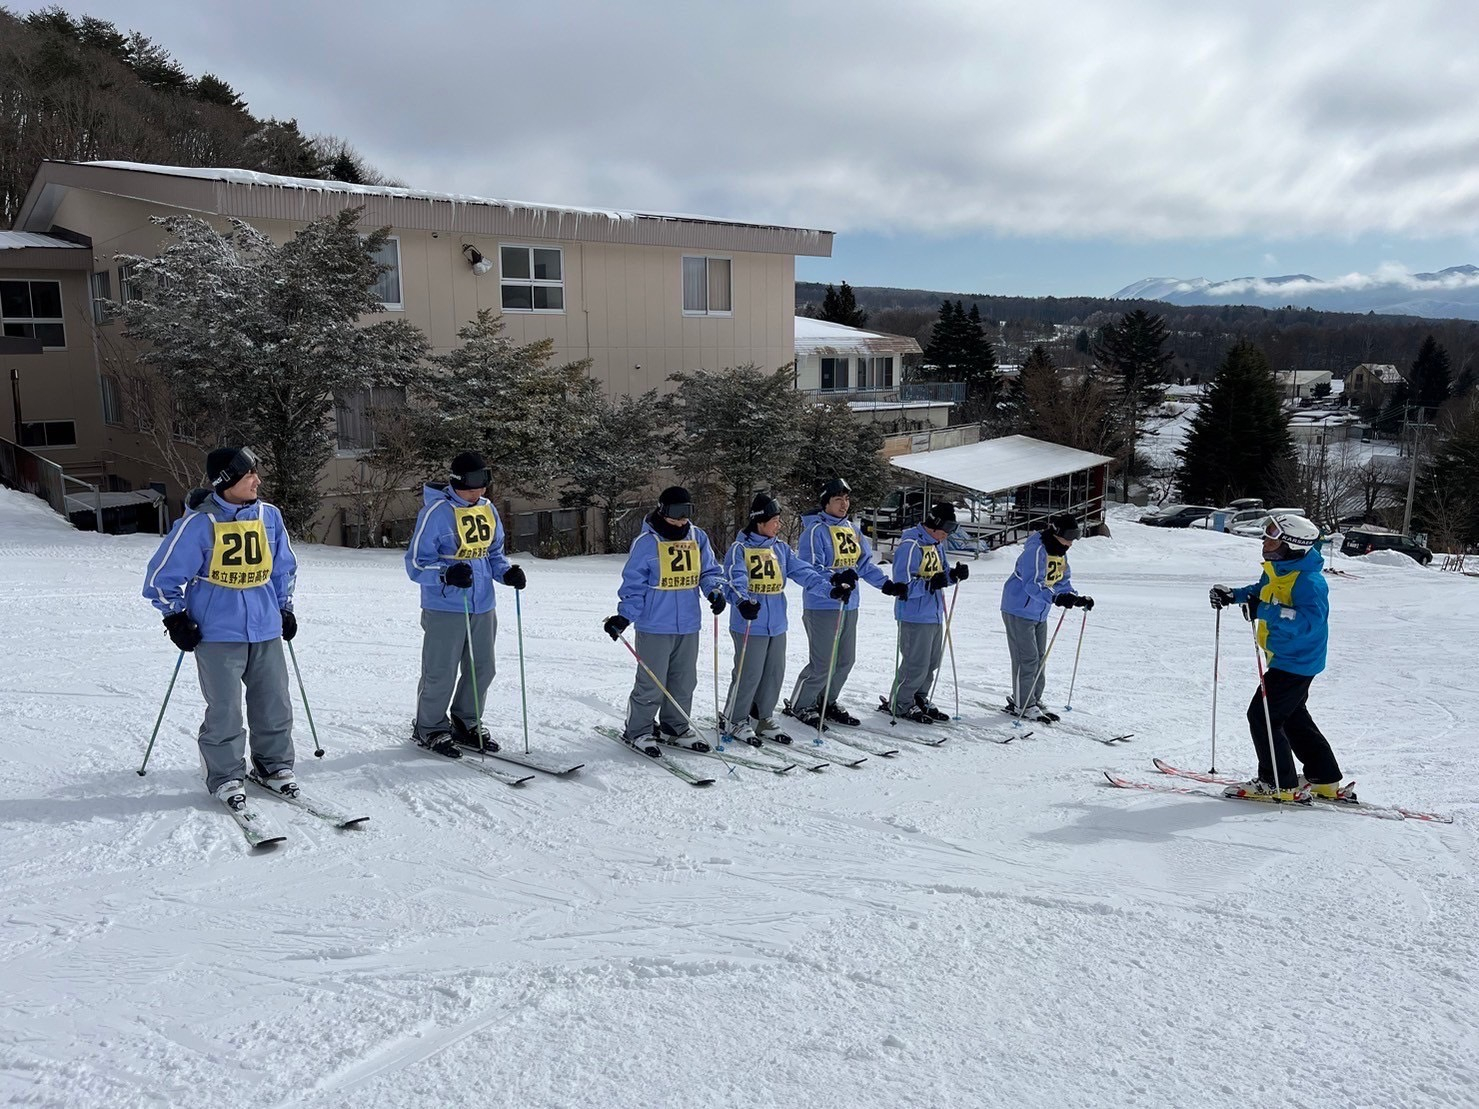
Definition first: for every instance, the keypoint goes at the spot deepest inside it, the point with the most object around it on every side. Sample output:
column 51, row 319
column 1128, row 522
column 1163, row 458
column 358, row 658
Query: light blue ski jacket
column 447, row 532
column 756, row 563
column 177, row 578
column 664, row 582
column 917, row 559
column 821, row 537
column 1037, row 578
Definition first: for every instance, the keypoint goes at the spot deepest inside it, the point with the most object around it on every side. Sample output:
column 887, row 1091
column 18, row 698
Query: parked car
column 1177, row 515
column 1253, row 525
column 1230, row 517
column 1364, row 540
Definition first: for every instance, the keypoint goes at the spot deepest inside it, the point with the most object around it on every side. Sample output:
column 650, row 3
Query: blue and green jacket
column 1293, row 613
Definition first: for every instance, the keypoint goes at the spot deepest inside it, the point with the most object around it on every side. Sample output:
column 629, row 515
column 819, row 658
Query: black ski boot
column 928, row 707
column 839, row 715
column 474, row 739
column 439, row 743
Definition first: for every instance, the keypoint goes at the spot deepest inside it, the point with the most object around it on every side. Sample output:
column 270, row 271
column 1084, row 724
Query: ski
column 1388, row 812
column 536, row 760
column 904, row 729
column 1193, row 791
column 1073, row 727
column 837, row 733
column 807, row 751
column 259, row 831
column 672, row 767
column 310, row 804
column 735, row 758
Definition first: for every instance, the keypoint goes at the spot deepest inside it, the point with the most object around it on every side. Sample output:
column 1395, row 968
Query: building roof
column 821, row 337
column 18, row 240
column 249, row 195
column 1303, row 377
column 996, row 464
column 1386, row 373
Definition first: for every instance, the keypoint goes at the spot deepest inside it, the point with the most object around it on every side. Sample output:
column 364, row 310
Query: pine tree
column 947, row 349
column 1134, row 349
column 1447, row 502
column 270, row 333
column 979, row 367
column 1428, row 381
column 1238, row 444
column 616, row 454
column 841, row 306
column 836, row 440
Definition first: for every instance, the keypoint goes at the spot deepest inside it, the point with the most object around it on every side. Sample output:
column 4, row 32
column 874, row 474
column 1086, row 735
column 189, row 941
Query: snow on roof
column 1386, row 373
column 16, row 240
column 271, row 180
column 999, row 463
column 821, row 337
column 1302, row 377
column 873, row 405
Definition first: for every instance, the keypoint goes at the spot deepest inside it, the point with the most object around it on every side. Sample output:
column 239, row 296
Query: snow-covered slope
column 973, row 925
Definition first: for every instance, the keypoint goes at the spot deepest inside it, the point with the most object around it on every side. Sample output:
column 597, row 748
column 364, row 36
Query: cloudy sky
column 968, row 145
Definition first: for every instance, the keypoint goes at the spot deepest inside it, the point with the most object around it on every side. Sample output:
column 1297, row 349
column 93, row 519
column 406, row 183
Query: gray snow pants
column 921, row 648
column 821, row 627
column 674, row 659
column 224, row 668
column 1027, row 642
column 446, row 661
column 759, row 685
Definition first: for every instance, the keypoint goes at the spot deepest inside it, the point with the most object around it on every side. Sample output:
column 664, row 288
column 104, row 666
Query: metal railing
column 27, row 471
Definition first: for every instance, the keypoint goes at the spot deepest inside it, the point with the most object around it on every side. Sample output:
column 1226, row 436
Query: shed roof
column 997, row 464
column 18, row 240
column 821, row 337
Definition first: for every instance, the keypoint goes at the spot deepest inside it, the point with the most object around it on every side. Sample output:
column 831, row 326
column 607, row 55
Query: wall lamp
column 474, row 256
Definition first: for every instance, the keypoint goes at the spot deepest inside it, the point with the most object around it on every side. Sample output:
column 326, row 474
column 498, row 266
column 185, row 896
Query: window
column 33, row 310
column 706, row 287
column 130, row 287
column 49, row 433
column 112, row 401
column 532, row 278
column 358, row 415
column 388, row 288
column 141, row 401
column 834, row 373
column 876, row 373
column 102, row 290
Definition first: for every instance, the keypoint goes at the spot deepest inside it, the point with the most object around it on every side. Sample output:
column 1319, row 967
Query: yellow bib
column 677, row 564
column 1057, row 564
column 846, row 550
column 764, row 569
column 476, row 530
column 929, row 562
column 240, row 556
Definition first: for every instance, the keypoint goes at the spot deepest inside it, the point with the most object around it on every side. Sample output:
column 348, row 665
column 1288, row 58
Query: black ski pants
column 1295, row 734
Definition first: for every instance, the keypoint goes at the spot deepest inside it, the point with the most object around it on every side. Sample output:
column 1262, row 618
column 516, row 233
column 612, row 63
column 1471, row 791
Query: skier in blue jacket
column 831, row 542
column 920, row 567
column 223, row 578
column 669, row 566
column 455, row 555
column 756, row 570
column 1291, row 603
column 1040, row 580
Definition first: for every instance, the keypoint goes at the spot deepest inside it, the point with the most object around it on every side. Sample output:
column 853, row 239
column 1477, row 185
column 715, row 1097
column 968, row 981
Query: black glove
column 716, row 602
column 183, row 631
column 895, row 589
column 1221, row 596
column 960, row 573
column 938, row 582
column 1063, row 600
column 615, row 625
column 289, row 625
column 514, row 577
column 849, row 576
column 1250, row 609
column 748, row 610
column 458, row 574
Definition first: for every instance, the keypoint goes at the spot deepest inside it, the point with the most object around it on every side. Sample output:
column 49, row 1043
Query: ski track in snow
column 969, row 925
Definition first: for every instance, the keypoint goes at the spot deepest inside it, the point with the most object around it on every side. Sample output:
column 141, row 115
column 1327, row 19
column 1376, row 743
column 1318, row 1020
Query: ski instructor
column 223, row 578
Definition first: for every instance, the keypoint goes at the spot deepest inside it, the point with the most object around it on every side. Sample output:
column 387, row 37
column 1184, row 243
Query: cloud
column 1138, row 121
column 1389, row 275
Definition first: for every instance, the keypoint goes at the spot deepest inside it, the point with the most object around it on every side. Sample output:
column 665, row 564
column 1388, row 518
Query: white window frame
column 400, row 278
column 101, row 287
column 112, row 397
column 706, row 311
column 847, row 368
column 532, row 282
column 129, row 286
column 59, row 321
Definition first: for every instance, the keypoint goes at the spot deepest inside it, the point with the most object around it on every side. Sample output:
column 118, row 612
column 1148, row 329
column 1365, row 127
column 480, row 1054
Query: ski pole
column 1041, row 666
column 718, row 719
column 831, row 669
column 949, row 613
column 1268, row 722
column 1216, row 659
column 159, row 719
column 893, row 692
column 1068, row 704
column 523, row 691
column 318, row 748
column 739, row 673
column 472, row 670
column 673, row 700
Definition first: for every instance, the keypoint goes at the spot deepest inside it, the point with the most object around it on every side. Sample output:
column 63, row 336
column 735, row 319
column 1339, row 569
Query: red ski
column 1386, row 812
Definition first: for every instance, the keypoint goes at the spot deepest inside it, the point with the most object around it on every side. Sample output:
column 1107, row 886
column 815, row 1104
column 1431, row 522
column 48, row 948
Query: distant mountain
column 1448, row 294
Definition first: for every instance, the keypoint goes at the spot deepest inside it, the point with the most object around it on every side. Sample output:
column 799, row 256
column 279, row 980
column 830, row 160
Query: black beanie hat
column 940, row 514
column 834, row 488
column 675, row 503
column 764, row 507
column 1064, row 525
column 469, row 471
column 225, row 466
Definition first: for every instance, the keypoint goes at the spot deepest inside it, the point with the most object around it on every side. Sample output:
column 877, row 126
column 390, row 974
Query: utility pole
column 1417, row 430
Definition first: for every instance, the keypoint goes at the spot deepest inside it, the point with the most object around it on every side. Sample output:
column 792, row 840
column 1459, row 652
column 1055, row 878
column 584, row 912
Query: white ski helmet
column 1293, row 531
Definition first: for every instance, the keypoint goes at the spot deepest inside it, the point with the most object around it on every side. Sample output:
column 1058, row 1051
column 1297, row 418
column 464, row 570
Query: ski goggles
column 680, row 511
column 1271, row 528
column 243, row 462
column 473, row 479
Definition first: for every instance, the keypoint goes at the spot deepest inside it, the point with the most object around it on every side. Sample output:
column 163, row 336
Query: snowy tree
column 616, row 454
column 1238, row 444
column 1134, row 348
column 510, row 403
column 836, row 442
column 270, row 333
column 841, row 306
column 736, row 431
column 1071, row 408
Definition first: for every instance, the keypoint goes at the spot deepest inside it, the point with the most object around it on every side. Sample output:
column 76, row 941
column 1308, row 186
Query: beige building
column 642, row 295
column 1373, row 382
